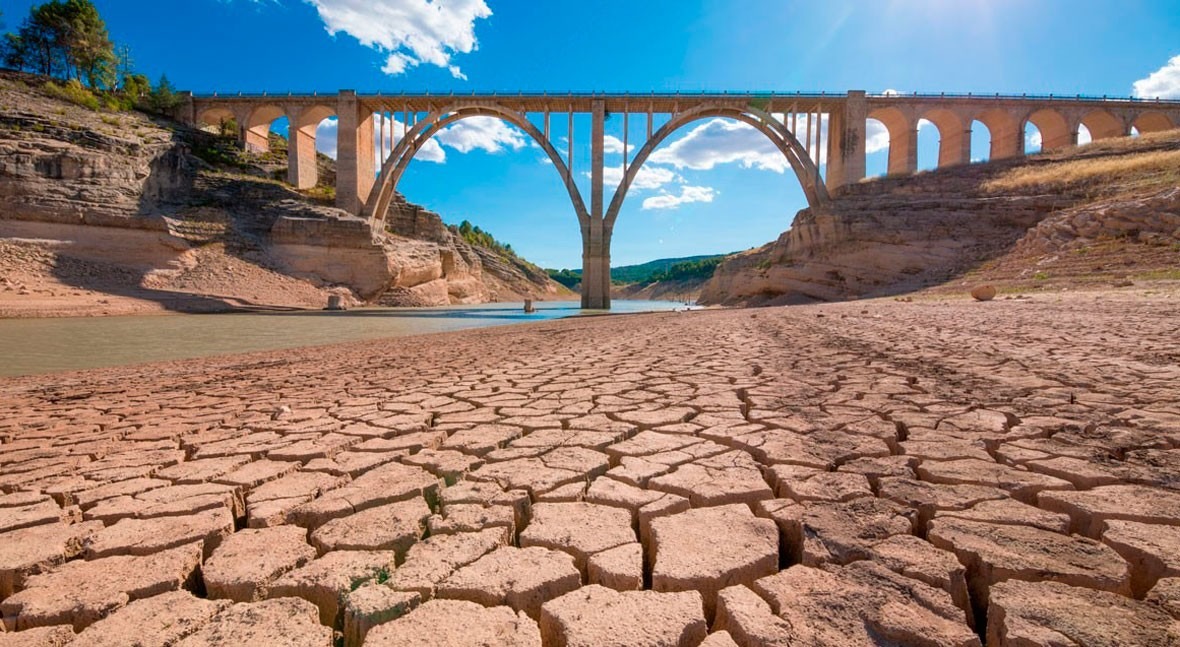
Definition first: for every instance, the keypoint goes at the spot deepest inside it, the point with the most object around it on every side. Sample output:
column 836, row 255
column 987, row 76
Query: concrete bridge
column 797, row 124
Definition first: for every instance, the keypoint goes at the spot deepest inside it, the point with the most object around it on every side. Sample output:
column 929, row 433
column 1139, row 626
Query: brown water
column 31, row 346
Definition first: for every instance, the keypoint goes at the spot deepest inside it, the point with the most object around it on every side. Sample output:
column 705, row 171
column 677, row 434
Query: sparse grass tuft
column 1134, row 174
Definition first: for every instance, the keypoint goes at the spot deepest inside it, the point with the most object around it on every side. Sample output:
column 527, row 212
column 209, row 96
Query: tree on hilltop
column 64, row 38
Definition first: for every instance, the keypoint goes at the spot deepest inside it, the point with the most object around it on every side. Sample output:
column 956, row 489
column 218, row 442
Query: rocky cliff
column 1011, row 220
column 159, row 213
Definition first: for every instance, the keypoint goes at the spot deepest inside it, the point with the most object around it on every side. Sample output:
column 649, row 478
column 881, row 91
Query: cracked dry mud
column 873, row 473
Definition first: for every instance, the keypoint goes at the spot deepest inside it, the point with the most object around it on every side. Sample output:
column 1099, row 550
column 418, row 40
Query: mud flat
column 932, row 472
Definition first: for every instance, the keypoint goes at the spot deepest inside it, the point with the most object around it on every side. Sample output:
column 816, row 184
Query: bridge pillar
column 301, row 159
column 355, row 171
column 595, row 236
column 846, row 141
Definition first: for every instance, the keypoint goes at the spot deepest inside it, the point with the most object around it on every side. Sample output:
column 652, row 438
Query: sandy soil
column 38, row 280
column 931, row 472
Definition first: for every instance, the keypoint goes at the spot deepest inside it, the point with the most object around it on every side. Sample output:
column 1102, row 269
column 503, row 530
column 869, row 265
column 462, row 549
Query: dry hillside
column 1103, row 214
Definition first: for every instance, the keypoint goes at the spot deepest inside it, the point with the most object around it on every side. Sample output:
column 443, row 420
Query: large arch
column 382, row 192
column 805, row 169
column 903, row 140
column 1153, row 122
column 1055, row 130
column 256, row 130
column 1102, row 125
column 215, row 116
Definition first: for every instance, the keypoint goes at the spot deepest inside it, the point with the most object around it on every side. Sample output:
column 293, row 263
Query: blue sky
column 704, row 194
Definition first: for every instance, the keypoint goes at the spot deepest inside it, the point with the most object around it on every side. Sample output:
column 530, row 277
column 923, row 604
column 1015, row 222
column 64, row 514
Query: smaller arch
column 1153, row 122
column 1054, row 129
column 903, row 140
column 214, row 117
column 256, row 130
column 954, row 146
column 302, row 171
column 1102, row 125
column 1007, row 137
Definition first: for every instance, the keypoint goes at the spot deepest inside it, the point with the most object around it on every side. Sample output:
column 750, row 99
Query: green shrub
column 73, row 92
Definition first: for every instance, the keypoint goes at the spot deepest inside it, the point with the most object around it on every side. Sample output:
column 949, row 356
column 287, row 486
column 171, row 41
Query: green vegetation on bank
column 68, row 40
column 664, row 269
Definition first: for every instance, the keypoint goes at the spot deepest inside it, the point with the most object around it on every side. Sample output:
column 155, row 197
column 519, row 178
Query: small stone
column 983, row 293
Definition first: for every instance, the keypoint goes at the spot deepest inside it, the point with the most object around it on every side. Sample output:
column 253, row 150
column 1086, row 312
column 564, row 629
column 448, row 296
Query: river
column 32, row 346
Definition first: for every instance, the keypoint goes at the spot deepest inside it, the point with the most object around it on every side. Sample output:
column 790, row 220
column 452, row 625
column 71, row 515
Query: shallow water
column 31, row 346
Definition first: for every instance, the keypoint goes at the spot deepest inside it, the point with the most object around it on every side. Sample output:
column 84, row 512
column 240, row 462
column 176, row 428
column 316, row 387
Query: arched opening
column 1006, row 138
column 303, row 145
column 682, row 200
column 981, row 142
column 903, row 151
column 219, row 121
column 954, row 147
column 1099, row 125
column 256, row 130
column 928, row 144
column 876, row 148
column 1153, row 122
column 1084, row 136
column 1033, row 140
column 417, row 137
column 1054, row 130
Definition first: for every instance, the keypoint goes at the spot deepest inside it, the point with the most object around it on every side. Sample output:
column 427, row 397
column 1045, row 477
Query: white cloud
column 327, row 137
column 722, row 141
column 1163, row 83
column 1032, row 140
column 485, row 133
column 925, row 123
column 409, row 32
column 687, row 194
column 876, row 137
column 648, row 177
column 614, row 145
column 892, row 93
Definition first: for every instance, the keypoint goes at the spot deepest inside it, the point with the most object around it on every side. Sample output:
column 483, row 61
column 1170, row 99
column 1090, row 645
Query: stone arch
column 953, row 146
column 302, row 170
column 805, row 169
column 1055, row 130
column 256, row 129
column 903, row 139
column 382, row 192
column 1007, row 138
column 1102, row 125
column 214, row 116
column 1153, row 122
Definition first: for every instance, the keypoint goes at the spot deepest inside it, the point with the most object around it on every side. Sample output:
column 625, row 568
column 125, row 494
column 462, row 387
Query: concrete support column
column 595, row 238
column 846, row 141
column 355, row 173
column 301, row 166
column 903, row 149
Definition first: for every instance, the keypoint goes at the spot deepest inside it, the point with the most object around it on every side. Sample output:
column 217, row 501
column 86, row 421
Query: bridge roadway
column 810, row 130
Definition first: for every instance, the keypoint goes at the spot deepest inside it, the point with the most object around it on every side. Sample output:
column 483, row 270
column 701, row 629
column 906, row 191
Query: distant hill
column 646, row 272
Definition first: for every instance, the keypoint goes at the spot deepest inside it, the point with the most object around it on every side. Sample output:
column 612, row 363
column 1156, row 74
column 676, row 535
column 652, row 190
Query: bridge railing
column 754, row 95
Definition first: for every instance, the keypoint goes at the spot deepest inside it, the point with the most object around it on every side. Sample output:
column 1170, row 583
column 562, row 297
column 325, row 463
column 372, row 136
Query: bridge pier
column 595, row 235
column 846, row 141
column 355, row 172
